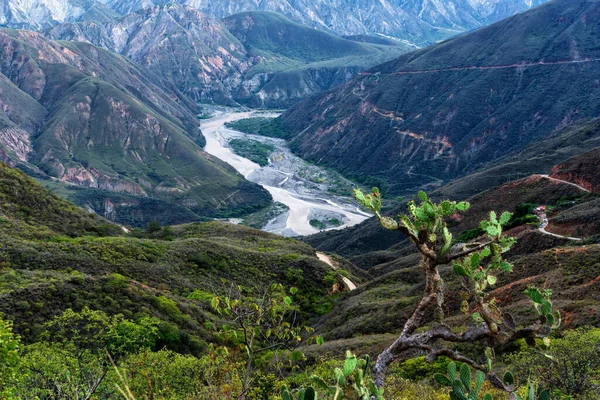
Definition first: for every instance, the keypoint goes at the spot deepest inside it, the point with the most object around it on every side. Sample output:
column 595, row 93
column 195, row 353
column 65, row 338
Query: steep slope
column 57, row 256
column 260, row 59
column 570, row 267
column 190, row 49
column 418, row 22
column 292, row 61
column 443, row 111
column 538, row 158
column 90, row 118
column 582, row 170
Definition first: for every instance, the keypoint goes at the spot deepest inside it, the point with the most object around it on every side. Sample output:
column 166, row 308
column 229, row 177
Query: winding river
column 281, row 179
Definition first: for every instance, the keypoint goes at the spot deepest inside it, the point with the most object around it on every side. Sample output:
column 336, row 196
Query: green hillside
column 57, row 256
column 80, row 115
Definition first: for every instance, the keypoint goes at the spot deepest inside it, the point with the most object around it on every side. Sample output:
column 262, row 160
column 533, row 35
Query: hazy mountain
column 90, row 118
column 257, row 58
column 416, row 21
column 45, row 13
column 440, row 112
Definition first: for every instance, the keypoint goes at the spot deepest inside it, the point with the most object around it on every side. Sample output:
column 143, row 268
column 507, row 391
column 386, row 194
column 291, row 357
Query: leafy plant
column 460, row 383
column 260, row 320
column 353, row 377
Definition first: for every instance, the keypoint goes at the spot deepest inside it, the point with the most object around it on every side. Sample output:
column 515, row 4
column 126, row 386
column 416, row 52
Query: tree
column 72, row 361
column 260, row 320
column 476, row 265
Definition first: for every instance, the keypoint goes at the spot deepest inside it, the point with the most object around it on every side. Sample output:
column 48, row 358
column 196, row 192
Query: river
column 305, row 199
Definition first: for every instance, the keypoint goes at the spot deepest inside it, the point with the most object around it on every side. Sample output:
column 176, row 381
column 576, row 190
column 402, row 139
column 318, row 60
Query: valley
column 299, row 200
column 281, row 178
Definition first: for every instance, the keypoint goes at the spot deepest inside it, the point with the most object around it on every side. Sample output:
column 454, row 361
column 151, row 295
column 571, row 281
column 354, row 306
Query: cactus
column 353, row 377
column 461, row 386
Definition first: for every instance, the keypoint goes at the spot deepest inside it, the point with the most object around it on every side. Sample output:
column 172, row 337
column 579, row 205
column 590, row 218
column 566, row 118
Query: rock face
column 443, row 111
column 90, row 118
column 259, row 59
column 581, row 170
column 419, row 22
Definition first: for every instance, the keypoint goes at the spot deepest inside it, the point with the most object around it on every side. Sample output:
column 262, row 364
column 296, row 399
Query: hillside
column 82, row 116
column 57, row 256
column 418, row 22
column 541, row 257
column 442, row 112
column 256, row 58
column 539, row 158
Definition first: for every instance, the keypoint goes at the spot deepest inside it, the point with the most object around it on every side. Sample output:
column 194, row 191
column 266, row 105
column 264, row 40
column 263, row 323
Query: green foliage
column 9, row 359
column 260, row 320
column 169, row 375
column 570, row 365
column 352, row 380
column 253, row 150
column 461, row 385
column 258, row 126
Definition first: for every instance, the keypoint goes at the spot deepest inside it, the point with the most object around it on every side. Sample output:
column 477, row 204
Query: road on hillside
column 327, row 260
column 487, row 67
column 544, row 218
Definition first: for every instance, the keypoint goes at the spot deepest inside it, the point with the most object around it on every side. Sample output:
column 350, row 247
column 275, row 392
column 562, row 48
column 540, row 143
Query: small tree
column 260, row 320
column 476, row 265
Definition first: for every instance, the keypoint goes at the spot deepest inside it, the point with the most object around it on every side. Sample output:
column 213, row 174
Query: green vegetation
column 259, row 126
column 261, row 218
column 326, row 223
column 253, row 150
column 468, row 103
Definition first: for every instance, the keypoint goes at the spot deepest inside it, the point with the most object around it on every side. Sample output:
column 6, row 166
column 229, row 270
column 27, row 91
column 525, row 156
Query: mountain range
column 446, row 110
column 256, row 58
column 417, row 22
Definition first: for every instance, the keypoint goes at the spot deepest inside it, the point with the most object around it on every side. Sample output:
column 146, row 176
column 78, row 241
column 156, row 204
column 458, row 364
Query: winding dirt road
column 327, row 260
column 544, row 218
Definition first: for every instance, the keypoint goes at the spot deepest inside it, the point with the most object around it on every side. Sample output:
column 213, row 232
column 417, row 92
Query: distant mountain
column 441, row 112
column 40, row 14
column 260, row 59
column 418, row 22
column 86, row 117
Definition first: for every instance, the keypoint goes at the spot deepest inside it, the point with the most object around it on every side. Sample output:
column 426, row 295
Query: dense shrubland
column 90, row 311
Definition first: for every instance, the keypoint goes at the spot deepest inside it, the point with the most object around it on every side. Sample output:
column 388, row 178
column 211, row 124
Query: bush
column 571, row 365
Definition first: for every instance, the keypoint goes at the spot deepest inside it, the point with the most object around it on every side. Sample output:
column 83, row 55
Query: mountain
column 416, row 22
column 539, row 256
column 259, row 59
column 292, row 61
column 84, row 116
column 42, row 14
column 441, row 112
